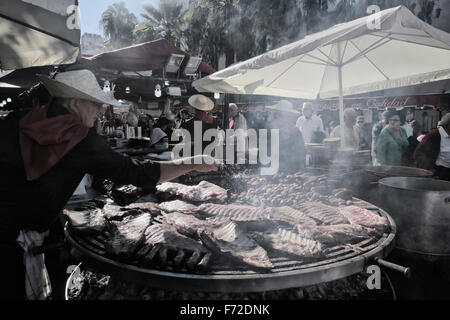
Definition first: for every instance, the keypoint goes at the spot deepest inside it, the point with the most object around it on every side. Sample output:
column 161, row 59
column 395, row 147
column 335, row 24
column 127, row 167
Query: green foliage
column 238, row 29
column 118, row 24
column 167, row 21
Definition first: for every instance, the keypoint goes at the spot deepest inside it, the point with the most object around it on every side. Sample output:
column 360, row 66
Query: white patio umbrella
column 38, row 33
column 389, row 49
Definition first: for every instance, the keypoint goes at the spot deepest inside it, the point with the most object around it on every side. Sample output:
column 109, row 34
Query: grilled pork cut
column 229, row 241
column 177, row 206
column 333, row 235
column 233, row 211
column 289, row 242
column 127, row 235
column 322, row 213
column 88, row 220
column 290, row 215
column 149, row 207
column 112, row 211
column 188, row 224
column 160, row 239
column 363, row 217
column 248, row 217
column 115, row 212
column 204, row 191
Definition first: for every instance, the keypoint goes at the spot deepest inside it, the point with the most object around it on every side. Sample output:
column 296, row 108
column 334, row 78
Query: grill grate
column 281, row 263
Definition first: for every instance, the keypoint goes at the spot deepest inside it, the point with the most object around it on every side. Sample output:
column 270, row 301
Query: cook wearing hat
column 292, row 152
column 45, row 154
column 433, row 152
column 201, row 104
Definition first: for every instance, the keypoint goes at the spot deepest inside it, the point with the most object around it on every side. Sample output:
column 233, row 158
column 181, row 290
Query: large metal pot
column 368, row 190
column 421, row 210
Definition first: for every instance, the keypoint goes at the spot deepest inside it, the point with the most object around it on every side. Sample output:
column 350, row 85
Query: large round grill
column 342, row 261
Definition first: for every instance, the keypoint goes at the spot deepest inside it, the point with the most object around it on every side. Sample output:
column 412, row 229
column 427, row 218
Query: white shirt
column 351, row 136
column 408, row 128
column 443, row 158
column 309, row 126
column 157, row 134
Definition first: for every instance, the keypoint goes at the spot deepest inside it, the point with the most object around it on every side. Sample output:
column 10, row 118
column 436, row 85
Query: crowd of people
column 396, row 139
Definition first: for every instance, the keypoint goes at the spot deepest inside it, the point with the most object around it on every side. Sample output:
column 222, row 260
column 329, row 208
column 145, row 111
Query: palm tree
column 118, row 25
column 241, row 29
column 144, row 33
column 167, row 21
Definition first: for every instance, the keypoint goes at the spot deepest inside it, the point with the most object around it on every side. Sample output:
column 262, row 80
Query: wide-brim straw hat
column 79, row 84
column 284, row 106
column 201, row 102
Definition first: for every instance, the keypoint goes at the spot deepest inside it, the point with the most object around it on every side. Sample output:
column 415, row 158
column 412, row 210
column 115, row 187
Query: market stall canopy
column 23, row 78
column 38, row 33
column 146, row 56
column 389, row 49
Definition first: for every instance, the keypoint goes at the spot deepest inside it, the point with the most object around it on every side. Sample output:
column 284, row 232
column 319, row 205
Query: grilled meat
column 289, row 242
column 332, row 235
column 249, row 218
column 127, row 235
column 149, row 207
column 160, row 239
column 290, row 215
column 87, row 220
column 228, row 240
column 233, row 211
column 363, row 217
column 322, row 213
column 188, row 224
column 291, row 190
column 177, row 206
column 204, row 191
column 115, row 212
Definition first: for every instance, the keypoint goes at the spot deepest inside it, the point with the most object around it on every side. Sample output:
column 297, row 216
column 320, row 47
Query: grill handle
column 406, row 271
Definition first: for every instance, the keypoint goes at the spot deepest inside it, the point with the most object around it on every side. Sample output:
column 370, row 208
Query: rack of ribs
column 363, row 217
column 177, row 206
column 127, row 235
column 333, row 235
column 229, row 241
column 204, row 191
column 87, row 220
column 290, row 215
column 189, row 224
column 164, row 241
column 322, row 213
column 286, row 241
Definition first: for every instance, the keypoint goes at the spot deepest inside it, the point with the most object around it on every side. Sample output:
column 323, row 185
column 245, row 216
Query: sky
column 91, row 11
